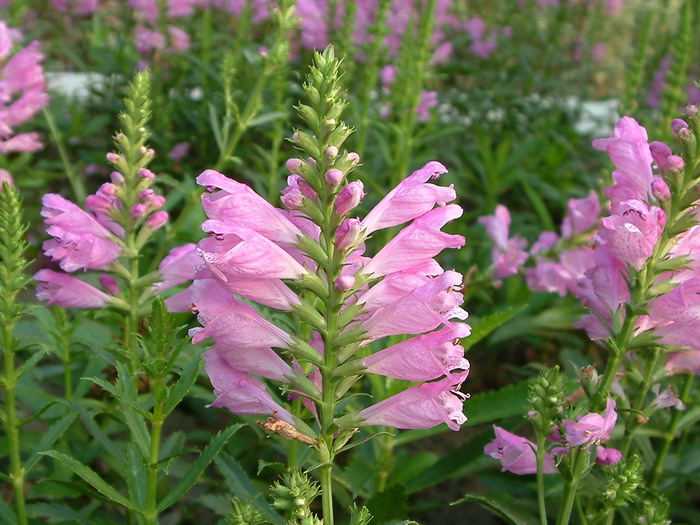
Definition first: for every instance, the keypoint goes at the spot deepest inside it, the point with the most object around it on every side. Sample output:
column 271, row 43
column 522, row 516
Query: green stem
column 540, row 479
column 571, row 487
column 670, row 436
column 638, row 403
column 12, row 425
column 151, row 514
column 74, row 179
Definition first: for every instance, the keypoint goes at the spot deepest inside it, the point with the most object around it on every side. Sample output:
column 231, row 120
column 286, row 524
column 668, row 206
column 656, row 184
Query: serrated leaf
column 484, row 326
column 92, row 478
column 54, row 432
column 135, row 476
column 193, row 473
column 183, row 385
column 30, row 363
column 240, row 484
column 501, row 509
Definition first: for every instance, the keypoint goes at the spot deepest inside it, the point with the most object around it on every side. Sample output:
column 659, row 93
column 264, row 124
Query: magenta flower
column 76, row 7
column 422, row 406
column 517, row 454
column 67, row 291
column 508, row 254
column 582, row 215
column 591, row 429
column 608, row 456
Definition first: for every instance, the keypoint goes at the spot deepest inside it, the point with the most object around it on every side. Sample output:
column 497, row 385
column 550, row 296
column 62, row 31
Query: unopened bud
column 157, row 220
column 660, row 152
column 145, row 195
column 349, row 197
column 116, row 177
column 112, row 157
column 354, row 157
column 145, row 173
column 348, row 233
column 156, row 202
column 331, row 152
column 292, row 200
column 108, row 189
column 344, row 283
column 677, row 125
column 294, row 165
column 691, row 110
column 660, row 190
column 138, row 211
column 334, row 176
column 675, row 163
column 109, row 283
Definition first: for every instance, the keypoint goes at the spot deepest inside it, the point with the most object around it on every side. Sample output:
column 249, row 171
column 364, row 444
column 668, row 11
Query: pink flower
column 179, row 151
column 422, row 358
column 591, row 428
column 508, row 254
column 422, row 406
column 666, row 399
column 582, row 215
column 179, row 266
column 76, row 7
column 236, row 203
column 545, row 242
column 67, row 291
column 632, row 232
column 413, row 197
column 241, row 393
column 517, row 454
column 686, row 362
column 629, row 152
column 608, row 456
column 417, row 243
column 349, row 197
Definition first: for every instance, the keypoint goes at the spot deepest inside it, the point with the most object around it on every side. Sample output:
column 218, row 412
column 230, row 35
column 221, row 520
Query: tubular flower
column 517, row 454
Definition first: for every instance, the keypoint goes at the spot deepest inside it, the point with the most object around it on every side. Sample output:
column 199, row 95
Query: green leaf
column 135, row 476
column 54, row 432
column 240, row 484
column 504, row 510
column 88, row 419
column 91, row 477
column 266, row 118
column 30, row 363
column 192, row 475
column 184, row 384
column 7, row 515
column 484, row 326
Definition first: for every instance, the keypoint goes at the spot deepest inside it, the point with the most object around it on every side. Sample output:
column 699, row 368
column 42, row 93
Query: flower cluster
column 22, row 93
column 154, row 32
column 75, row 7
column 283, row 259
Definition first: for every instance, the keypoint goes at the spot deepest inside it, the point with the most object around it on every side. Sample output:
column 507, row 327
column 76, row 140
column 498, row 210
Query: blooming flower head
column 517, row 454
column 591, row 428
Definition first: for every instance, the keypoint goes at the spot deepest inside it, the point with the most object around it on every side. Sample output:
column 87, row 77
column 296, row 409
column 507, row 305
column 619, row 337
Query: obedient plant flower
column 154, row 32
column 269, row 255
column 116, row 222
column 517, row 454
column 75, row 7
column 591, row 429
column 508, row 254
column 22, row 92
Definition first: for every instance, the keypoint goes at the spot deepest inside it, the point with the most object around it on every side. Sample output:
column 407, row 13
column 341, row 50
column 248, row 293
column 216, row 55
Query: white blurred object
column 74, row 85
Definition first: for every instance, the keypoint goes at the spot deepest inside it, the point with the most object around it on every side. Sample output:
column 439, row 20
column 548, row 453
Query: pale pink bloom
column 680, row 305
column 422, row 309
column 413, row 197
column 238, row 204
column 175, row 8
column 428, row 100
column 517, row 454
column 67, row 291
column 498, row 226
column 5, row 40
column 550, row 276
column 147, row 40
column 179, row 40
column 422, row 406
column 628, row 149
column 5, row 176
column 417, row 243
column 23, row 72
column 22, row 143
column 422, row 358
column 591, row 428
column 666, row 399
column 179, row 266
column 632, row 233
column 79, row 240
column 508, row 254
column 241, row 393
column 231, row 322
column 239, row 253
column 608, row 456
column 686, row 362
column 545, row 242
column 582, row 214
column 23, row 108
column 262, row 361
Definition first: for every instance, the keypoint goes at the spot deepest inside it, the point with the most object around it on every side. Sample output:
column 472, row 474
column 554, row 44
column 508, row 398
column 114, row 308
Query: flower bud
column 97, row 203
column 348, row 233
column 157, row 220
column 677, row 125
column 660, row 152
column 354, row 157
column 334, row 176
column 145, row 173
column 112, row 157
column 691, row 110
column 344, row 283
column 331, row 152
column 349, row 197
column 109, row 283
column 116, row 177
column 675, row 163
column 108, row 189
column 660, row 190
column 156, row 202
column 293, row 200
column 294, row 165
column 138, row 211
column 145, row 195
column 608, row 456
